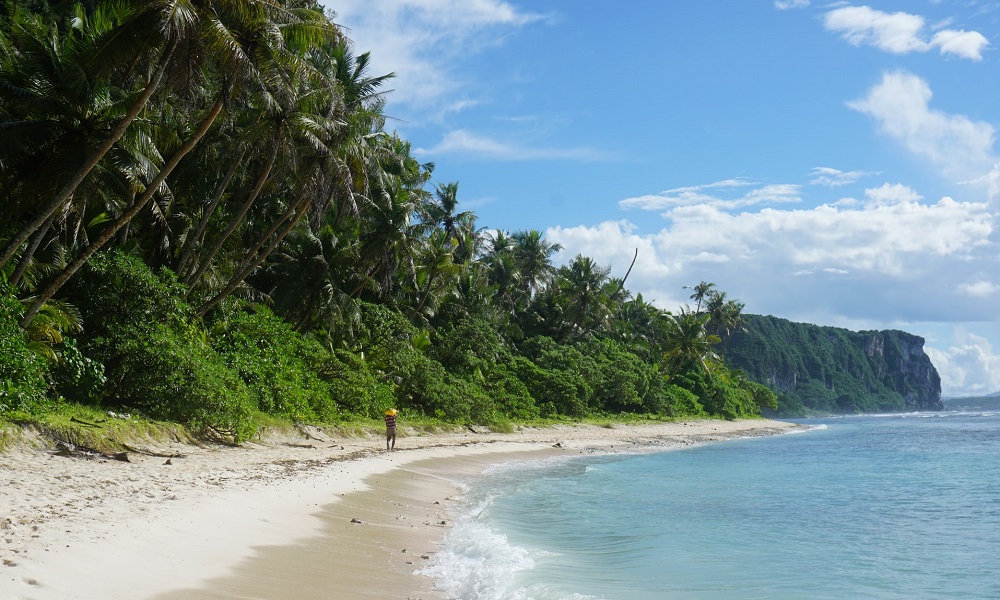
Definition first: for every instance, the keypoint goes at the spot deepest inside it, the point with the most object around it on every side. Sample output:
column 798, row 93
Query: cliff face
column 829, row 369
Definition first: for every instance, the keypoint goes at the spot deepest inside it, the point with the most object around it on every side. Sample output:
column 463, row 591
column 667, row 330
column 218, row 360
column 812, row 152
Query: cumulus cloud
column 968, row 366
column 900, row 106
column 888, row 259
column 467, row 143
column 894, row 253
column 900, row 33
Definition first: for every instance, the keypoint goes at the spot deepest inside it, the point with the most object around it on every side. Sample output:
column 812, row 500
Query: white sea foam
column 477, row 563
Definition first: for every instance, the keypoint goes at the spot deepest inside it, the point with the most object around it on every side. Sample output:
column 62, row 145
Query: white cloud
column 900, row 33
column 968, row 367
column 900, row 105
column 788, row 4
column 892, row 32
column 887, row 261
column 964, row 44
column 889, row 194
column 699, row 195
column 890, row 257
column 830, row 177
column 422, row 40
column 461, row 141
column 979, row 289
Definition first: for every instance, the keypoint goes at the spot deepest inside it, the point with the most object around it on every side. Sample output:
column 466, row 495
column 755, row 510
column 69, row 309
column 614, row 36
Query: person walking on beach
column 390, row 429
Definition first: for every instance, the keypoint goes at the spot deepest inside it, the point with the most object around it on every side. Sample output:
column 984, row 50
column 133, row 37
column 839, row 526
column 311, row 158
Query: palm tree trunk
column 125, row 217
column 67, row 190
column 256, row 262
column 197, row 239
column 22, row 265
column 237, row 220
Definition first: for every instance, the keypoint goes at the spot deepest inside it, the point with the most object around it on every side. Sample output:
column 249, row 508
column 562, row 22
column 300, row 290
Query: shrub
column 156, row 357
column 270, row 357
column 22, row 373
column 353, row 385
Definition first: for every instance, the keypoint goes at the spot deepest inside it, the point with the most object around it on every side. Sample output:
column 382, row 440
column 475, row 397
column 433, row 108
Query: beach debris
column 311, row 432
column 557, row 445
column 403, row 550
column 425, row 557
column 70, row 450
column 82, row 422
column 153, row 453
column 356, row 520
column 168, row 462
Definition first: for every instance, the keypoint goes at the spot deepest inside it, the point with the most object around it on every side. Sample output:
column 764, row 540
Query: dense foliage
column 834, row 370
column 205, row 220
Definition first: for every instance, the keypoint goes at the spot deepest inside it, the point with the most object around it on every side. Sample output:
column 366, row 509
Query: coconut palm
column 247, row 39
column 533, row 256
column 688, row 343
column 584, row 286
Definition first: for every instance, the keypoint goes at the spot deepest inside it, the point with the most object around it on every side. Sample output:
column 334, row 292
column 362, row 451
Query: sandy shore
column 306, row 517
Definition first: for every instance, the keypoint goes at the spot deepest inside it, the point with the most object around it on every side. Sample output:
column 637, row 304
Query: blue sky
column 833, row 163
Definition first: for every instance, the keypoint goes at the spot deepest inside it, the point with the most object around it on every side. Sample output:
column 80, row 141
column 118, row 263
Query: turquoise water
column 902, row 506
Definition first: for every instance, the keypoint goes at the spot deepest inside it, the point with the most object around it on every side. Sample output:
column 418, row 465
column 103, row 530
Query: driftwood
column 70, row 450
column 304, row 430
column 151, row 453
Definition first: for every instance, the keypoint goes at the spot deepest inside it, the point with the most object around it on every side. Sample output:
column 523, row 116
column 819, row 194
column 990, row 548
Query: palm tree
column 533, row 256
column 701, row 291
column 724, row 316
column 688, row 343
column 97, row 50
column 243, row 40
column 584, row 286
column 439, row 211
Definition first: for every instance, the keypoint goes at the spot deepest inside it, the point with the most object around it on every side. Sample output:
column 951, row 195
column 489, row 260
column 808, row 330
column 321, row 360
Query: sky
column 830, row 163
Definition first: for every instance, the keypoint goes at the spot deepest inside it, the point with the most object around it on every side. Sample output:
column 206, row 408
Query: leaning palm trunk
column 289, row 222
column 67, row 190
column 237, row 220
column 125, row 217
column 22, row 265
column 198, row 237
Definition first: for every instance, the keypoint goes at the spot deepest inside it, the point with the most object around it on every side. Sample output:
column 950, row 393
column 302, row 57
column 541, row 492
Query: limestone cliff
column 829, row 369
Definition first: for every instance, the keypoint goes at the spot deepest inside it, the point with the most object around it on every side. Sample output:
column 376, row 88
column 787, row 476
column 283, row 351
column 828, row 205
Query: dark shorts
column 390, row 432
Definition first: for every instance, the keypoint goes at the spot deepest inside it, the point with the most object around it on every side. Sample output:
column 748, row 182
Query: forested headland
column 206, row 220
column 823, row 370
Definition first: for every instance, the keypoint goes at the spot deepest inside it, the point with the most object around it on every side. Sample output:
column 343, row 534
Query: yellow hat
column 391, row 412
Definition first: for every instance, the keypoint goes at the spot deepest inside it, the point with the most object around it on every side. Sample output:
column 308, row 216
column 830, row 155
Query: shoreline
column 276, row 513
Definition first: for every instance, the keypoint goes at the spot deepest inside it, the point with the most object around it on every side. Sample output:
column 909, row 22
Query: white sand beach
column 314, row 516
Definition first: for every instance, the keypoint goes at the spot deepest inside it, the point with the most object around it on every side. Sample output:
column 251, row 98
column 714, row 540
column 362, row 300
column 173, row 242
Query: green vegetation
column 817, row 369
column 205, row 222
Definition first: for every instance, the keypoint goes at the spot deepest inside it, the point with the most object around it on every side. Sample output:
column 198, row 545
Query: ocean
column 897, row 506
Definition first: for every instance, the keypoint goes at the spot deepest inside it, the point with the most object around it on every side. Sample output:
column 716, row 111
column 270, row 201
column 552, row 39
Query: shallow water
column 901, row 506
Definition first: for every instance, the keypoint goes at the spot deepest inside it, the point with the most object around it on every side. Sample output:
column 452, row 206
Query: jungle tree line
column 205, row 218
